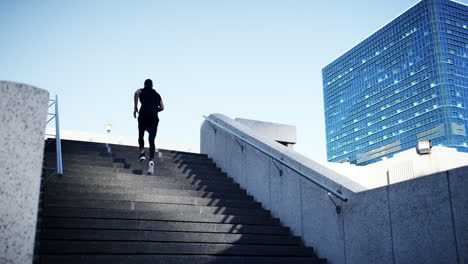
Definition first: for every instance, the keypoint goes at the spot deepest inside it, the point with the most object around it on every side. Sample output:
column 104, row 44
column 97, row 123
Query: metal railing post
column 57, row 139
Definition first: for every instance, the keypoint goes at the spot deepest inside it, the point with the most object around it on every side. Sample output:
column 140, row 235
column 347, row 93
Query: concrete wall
column 23, row 113
column 423, row 220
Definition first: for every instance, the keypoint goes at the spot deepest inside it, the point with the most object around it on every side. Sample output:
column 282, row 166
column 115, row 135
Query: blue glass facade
column 406, row 82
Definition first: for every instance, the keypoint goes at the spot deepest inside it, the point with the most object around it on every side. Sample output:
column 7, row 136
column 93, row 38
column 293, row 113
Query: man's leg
column 152, row 129
column 152, row 135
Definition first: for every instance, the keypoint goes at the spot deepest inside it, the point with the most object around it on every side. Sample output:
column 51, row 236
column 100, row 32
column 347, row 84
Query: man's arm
column 135, row 101
column 161, row 106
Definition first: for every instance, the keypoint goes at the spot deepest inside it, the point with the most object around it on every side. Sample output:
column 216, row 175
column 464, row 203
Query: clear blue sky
column 252, row 59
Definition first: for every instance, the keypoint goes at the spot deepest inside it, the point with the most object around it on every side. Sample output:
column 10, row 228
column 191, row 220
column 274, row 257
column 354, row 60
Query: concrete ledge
column 23, row 113
column 285, row 134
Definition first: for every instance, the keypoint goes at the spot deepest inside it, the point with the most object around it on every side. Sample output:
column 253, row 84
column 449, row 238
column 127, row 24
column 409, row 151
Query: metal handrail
column 321, row 185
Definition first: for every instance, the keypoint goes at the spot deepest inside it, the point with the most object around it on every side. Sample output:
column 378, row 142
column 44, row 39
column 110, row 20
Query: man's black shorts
column 148, row 123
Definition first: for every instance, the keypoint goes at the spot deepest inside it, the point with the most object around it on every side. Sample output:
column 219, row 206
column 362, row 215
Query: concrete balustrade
column 23, row 113
column 423, row 220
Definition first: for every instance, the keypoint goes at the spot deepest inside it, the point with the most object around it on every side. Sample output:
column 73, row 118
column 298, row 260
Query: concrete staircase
column 105, row 209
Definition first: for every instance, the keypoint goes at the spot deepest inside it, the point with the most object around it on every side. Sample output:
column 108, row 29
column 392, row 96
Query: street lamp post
column 108, row 129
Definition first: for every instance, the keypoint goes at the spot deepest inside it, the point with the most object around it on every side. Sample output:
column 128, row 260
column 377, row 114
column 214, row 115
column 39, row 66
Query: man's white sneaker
column 151, row 167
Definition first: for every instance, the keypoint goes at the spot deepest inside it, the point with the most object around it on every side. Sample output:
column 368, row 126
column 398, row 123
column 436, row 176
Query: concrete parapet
column 422, row 220
column 23, row 113
column 284, row 134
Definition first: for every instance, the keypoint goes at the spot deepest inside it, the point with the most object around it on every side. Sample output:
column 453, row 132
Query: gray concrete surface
column 220, row 156
column 364, row 242
column 257, row 175
column 286, row 197
column 23, row 113
column 234, row 167
column 322, row 226
column 422, row 220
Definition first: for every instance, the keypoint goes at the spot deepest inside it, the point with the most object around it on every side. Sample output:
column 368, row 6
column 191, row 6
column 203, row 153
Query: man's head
column 148, row 83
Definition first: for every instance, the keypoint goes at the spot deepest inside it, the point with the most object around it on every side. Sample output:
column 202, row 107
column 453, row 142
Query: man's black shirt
column 150, row 102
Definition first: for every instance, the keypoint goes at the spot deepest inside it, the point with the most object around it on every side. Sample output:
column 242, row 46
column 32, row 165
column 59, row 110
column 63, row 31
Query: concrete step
column 174, row 152
column 132, row 148
column 141, row 169
column 90, row 150
column 162, row 188
column 51, row 184
column 85, row 190
column 131, row 155
column 175, row 259
column 128, row 160
column 221, row 177
column 77, row 176
column 117, row 163
column 216, row 176
column 167, row 236
column 119, row 178
column 77, row 143
column 160, row 248
column 141, row 188
column 124, row 161
column 155, row 207
column 77, row 173
column 99, row 213
column 155, row 225
column 151, row 198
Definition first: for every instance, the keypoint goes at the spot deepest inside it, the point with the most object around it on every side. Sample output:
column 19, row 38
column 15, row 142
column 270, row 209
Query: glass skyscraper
column 406, row 82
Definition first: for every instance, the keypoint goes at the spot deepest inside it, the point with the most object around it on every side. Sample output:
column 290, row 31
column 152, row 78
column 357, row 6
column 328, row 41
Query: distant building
column 406, row 82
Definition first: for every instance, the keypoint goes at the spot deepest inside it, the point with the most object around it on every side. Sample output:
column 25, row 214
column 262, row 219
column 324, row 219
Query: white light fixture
column 424, row 147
